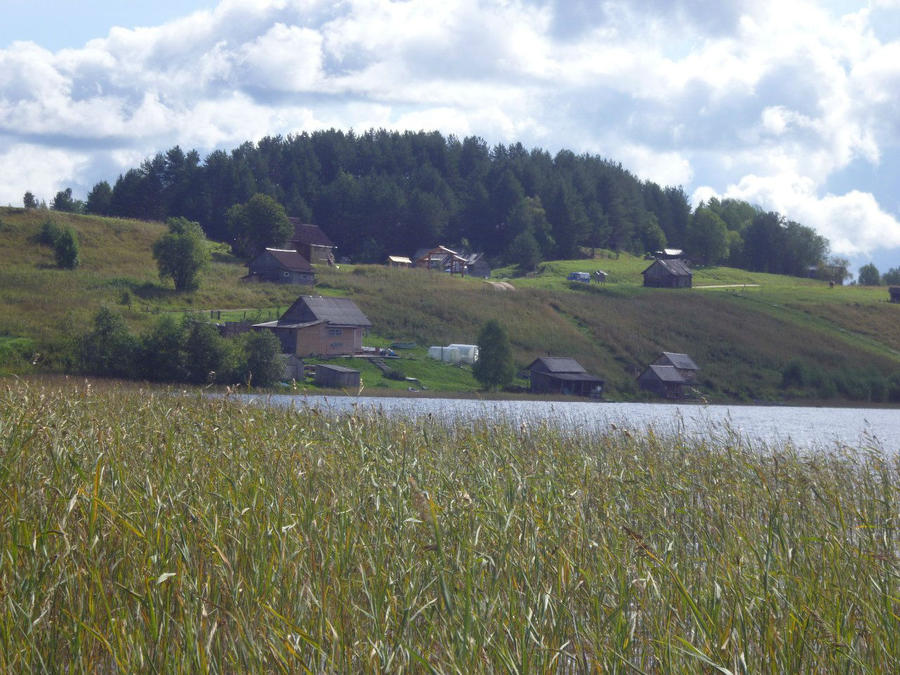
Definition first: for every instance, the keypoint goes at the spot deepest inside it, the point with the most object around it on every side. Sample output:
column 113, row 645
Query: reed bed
column 167, row 531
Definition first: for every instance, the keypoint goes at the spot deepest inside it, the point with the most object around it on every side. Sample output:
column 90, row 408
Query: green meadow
column 156, row 530
column 756, row 337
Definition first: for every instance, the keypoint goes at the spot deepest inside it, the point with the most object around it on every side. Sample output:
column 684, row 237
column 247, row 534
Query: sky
column 792, row 105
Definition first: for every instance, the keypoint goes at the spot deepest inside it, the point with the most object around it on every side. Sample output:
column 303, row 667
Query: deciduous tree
column 494, row 367
column 181, row 254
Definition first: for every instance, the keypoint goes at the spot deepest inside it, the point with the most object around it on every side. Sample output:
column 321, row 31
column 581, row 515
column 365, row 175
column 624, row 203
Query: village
column 316, row 329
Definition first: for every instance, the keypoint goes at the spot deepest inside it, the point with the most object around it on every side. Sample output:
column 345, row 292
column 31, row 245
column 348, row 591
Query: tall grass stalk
column 160, row 531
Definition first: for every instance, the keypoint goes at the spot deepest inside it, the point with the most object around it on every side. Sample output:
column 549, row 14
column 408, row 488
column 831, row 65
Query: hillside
column 843, row 341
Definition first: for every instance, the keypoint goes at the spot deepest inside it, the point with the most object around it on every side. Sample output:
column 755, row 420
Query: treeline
column 174, row 350
column 384, row 192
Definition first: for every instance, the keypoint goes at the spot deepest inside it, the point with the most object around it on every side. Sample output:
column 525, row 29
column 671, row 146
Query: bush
column 48, row 234
column 109, row 349
column 162, row 354
column 65, row 249
column 259, row 364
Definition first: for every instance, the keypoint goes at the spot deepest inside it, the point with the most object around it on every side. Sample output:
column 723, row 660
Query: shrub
column 109, row 349
column 258, row 360
column 65, row 249
column 48, row 234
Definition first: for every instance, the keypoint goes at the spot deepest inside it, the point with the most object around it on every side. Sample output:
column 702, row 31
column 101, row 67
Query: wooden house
column 310, row 242
column 477, row 265
column 664, row 381
column 281, row 266
column 439, row 258
column 683, row 363
column 336, row 377
column 563, row 375
column 664, row 273
column 316, row 325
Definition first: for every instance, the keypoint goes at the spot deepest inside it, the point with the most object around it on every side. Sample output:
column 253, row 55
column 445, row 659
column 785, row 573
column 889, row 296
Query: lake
column 805, row 427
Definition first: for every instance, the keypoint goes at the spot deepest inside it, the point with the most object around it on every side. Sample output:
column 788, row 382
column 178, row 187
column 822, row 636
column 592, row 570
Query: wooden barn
column 316, row 325
column 664, row 273
column 336, row 377
column 664, row 381
column 563, row 375
column 281, row 266
column 683, row 363
column 310, row 242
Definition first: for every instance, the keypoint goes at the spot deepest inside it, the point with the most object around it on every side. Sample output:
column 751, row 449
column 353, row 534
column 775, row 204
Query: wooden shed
column 894, row 292
column 664, row 273
column 281, row 266
column 664, row 381
column 563, row 375
column 311, row 242
column 683, row 363
column 337, row 377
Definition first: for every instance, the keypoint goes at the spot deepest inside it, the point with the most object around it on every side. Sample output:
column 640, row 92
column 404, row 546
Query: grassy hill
column 744, row 329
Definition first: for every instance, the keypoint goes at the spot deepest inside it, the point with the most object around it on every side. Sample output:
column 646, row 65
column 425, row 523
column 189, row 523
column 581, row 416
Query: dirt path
column 730, row 286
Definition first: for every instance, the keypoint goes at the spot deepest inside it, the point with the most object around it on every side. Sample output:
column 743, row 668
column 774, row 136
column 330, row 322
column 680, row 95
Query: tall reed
column 164, row 531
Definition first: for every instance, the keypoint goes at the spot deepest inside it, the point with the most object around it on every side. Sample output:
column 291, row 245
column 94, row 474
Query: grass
column 144, row 530
column 743, row 338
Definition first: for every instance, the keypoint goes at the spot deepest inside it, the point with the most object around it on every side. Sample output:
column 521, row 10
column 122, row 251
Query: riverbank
column 145, row 531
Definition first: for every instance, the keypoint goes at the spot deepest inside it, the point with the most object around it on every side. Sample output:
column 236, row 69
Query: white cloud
column 760, row 99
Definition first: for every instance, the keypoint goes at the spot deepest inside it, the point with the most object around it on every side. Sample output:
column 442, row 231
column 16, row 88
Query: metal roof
column 336, row 369
column 680, row 361
column 306, row 233
column 289, row 260
column 337, row 311
column 667, row 374
column 558, row 364
column 676, row 267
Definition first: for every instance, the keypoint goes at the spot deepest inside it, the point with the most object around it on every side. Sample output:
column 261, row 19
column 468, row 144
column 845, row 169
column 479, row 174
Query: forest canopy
column 387, row 192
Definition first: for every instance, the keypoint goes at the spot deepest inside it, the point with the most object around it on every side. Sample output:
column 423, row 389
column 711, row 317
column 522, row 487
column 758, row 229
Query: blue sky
column 793, row 105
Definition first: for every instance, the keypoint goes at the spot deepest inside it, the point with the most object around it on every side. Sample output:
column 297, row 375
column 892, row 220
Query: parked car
column 583, row 277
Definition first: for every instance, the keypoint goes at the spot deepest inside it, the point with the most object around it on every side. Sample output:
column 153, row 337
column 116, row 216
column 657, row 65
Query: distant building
column 316, row 325
column 477, row 265
column 664, row 381
column 664, row 273
column 668, row 253
column 311, row 242
column 281, row 266
column 439, row 258
column 669, row 375
column 894, row 292
column 683, row 363
column 397, row 261
column 563, row 375
column 337, row 377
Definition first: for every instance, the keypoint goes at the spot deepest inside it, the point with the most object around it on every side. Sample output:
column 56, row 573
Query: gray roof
column 680, row 361
column 307, row 233
column 666, row 373
column 558, row 364
column 337, row 311
column 335, row 369
column 675, row 267
column 289, row 260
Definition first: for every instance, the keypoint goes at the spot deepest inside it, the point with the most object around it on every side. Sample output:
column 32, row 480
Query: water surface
column 804, row 427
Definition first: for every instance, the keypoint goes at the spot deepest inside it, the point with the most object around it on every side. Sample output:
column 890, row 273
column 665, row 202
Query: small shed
column 398, row 261
column 291, row 367
column 281, row 266
column 683, row 363
column 664, row 273
column 563, row 375
column 338, row 377
column 894, row 293
column 664, row 381
column 477, row 265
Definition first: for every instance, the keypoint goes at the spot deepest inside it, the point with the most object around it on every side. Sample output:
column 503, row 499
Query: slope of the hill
column 744, row 329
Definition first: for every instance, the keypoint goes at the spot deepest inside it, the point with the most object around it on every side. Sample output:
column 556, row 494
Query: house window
column 335, row 331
